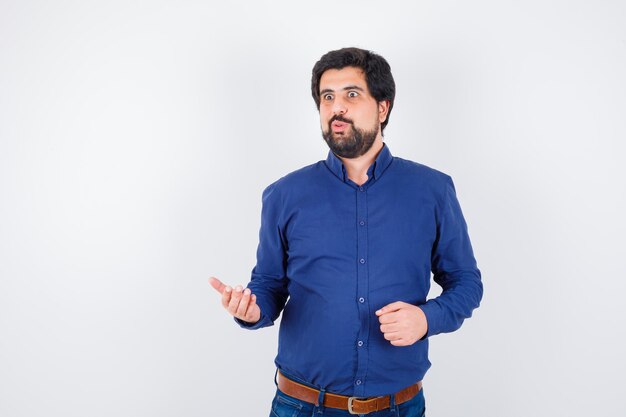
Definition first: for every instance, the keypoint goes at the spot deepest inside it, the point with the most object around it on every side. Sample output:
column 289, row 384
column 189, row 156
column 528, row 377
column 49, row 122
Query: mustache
column 340, row 118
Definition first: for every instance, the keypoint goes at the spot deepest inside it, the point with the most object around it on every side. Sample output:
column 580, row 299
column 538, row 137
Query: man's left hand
column 402, row 323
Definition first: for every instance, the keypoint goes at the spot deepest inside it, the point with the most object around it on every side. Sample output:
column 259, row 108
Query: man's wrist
column 262, row 322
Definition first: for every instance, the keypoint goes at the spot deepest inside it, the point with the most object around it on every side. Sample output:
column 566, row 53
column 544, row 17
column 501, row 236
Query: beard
column 352, row 142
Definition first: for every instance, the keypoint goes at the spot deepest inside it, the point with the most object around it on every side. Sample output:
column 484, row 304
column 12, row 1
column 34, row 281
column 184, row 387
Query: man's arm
column 267, row 291
column 454, row 269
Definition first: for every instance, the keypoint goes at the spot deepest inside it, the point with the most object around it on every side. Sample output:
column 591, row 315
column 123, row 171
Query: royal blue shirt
column 332, row 252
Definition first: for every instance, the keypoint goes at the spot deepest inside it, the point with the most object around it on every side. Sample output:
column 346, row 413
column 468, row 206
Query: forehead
column 336, row 79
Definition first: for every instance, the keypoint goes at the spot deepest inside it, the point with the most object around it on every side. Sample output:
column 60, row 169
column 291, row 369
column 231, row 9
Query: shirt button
column 362, row 260
column 358, row 382
column 362, row 223
column 361, row 188
column 360, row 343
column 361, row 300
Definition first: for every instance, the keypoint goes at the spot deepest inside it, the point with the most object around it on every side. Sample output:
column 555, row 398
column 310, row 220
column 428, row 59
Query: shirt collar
column 375, row 170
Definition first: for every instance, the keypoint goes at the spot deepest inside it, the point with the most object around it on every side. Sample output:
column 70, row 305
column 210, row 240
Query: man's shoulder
column 420, row 170
column 298, row 177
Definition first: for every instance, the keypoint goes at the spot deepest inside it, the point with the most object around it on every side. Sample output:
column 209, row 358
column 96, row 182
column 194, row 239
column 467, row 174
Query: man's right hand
column 239, row 303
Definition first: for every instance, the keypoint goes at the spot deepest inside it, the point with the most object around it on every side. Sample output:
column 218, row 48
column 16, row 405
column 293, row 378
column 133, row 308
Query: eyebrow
column 350, row 87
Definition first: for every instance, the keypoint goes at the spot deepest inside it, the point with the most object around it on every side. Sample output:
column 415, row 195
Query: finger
column 252, row 302
column 392, row 336
column 388, row 318
column 251, row 307
column 217, row 284
column 400, row 342
column 243, row 304
column 388, row 328
column 226, row 295
column 390, row 307
column 234, row 300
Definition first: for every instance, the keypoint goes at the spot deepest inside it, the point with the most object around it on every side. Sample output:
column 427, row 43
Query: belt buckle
column 350, row 400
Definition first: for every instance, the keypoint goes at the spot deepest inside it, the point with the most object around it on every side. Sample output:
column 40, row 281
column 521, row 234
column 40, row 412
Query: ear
column 383, row 110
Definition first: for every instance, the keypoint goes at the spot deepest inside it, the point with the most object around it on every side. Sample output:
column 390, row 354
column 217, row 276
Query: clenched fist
column 402, row 323
column 239, row 303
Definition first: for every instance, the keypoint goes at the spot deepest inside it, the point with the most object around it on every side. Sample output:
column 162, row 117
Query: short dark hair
column 377, row 74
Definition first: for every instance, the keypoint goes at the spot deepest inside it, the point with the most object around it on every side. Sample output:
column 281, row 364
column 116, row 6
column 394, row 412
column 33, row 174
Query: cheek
column 323, row 124
column 369, row 120
column 368, row 115
column 324, row 118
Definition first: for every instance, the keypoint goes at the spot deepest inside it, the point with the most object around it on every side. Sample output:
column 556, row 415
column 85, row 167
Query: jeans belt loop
column 320, row 401
column 392, row 402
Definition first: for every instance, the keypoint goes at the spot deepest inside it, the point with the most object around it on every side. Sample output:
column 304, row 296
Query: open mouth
column 338, row 126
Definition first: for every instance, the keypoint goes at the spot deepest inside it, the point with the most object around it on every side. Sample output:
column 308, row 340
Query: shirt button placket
column 362, row 291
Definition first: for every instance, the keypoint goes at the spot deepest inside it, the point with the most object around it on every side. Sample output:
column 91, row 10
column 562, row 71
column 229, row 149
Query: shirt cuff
column 432, row 311
column 263, row 322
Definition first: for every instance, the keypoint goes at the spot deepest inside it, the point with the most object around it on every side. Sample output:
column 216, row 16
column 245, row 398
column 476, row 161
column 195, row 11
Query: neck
column 356, row 168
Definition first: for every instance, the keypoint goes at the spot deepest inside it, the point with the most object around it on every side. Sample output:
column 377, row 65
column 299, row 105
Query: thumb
column 217, row 284
column 395, row 306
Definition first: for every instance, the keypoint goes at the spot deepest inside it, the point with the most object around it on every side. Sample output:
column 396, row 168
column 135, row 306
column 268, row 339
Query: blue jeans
column 284, row 405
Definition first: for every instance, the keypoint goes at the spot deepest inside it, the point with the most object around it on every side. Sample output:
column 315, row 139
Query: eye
column 327, row 96
column 352, row 94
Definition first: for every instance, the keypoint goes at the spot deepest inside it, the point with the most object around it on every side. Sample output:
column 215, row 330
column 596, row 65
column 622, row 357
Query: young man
column 351, row 242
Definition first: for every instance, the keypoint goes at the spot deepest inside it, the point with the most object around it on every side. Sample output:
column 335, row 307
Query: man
column 346, row 249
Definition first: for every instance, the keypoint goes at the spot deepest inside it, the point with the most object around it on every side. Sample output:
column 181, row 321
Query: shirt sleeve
column 454, row 269
column 269, row 280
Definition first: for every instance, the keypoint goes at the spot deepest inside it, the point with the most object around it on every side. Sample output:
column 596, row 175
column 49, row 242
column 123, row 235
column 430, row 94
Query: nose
column 339, row 106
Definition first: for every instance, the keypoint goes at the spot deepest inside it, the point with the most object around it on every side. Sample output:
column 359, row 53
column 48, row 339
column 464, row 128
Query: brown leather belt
column 353, row 404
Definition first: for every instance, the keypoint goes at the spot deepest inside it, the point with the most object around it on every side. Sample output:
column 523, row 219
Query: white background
column 136, row 138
